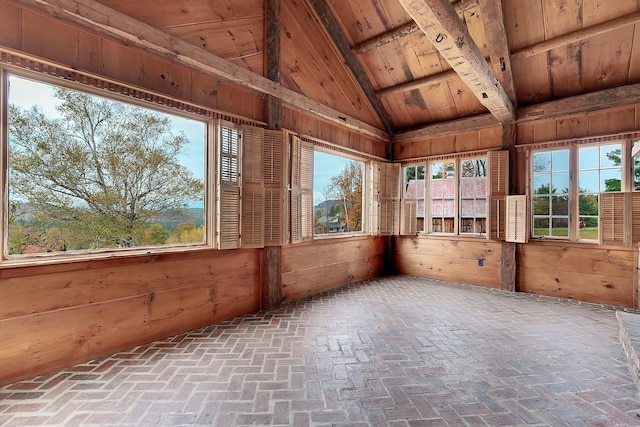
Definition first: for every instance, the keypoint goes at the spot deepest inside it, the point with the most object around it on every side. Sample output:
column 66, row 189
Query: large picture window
column 338, row 196
column 567, row 183
column 86, row 172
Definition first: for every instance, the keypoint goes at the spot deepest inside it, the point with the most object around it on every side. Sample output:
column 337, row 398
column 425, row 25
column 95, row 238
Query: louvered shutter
column 409, row 222
column 388, row 199
column 635, row 217
column 516, row 219
column 274, row 188
column 252, row 202
column 301, row 190
column 229, row 187
column 498, row 189
column 612, row 218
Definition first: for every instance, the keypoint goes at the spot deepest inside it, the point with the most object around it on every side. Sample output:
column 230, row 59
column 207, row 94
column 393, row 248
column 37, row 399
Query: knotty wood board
column 453, row 260
column 58, row 319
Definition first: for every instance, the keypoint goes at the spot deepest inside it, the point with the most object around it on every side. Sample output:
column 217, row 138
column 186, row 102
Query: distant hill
column 328, row 204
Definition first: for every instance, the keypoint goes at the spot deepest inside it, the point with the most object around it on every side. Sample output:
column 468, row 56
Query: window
column 551, row 193
column 87, row 172
column 565, row 205
column 453, row 199
column 338, row 193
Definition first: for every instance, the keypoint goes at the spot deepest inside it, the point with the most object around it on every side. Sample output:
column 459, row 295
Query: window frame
column 626, row 171
column 427, row 190
column 364, row 215
column 136, row 97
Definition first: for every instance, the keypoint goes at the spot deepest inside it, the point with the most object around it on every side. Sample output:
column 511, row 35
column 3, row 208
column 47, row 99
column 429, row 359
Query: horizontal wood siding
column 598, row 275
column 53, row 319
column 310, row 268
column 450, row 259
column 86, row 51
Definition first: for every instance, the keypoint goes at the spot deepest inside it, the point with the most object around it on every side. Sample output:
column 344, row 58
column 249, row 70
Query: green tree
column 102, row 171
column 347, row 188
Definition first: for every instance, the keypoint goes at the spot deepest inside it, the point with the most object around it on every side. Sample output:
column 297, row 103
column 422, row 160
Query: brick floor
column 394, row 351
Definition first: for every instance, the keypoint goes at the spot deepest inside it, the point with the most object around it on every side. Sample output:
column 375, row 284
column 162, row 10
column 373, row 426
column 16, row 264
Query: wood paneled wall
column 310, row 268
column 455, row 260
column 316, row 128
column 483, row 139
column 54, row 316
column 22, row 29
column 599, row 275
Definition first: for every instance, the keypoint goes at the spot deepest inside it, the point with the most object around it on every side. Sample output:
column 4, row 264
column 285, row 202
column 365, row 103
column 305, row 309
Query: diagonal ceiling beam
column 108, row 22
column 403, row 31
column 439, row 21
column 335, row 32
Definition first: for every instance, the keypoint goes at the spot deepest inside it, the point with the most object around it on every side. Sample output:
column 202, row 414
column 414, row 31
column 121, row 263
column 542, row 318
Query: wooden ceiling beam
column 498, row 44
column 108, row 22
column 439, row 21
column 403, row 31
column 577, row 36
column 340, row 41
column 451, row 127
column 580, row 104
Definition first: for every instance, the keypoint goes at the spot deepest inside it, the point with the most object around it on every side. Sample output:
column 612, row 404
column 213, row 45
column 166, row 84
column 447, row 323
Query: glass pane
column 610, row 156
column 438, row 171
column 588, row 204
column 540, row 226
column 541, row 183
column 588, row 182
column 468, row 168
column 636, row 174
column 588, row 158
column 541, row 162
column 611, row 180
column 560, row 183
column 420, row 172
column 560, row 205
column 409, row 173
column 92, row 173
column 541, row 205
column 560, row 227
column 588, row 228
column 337, row 193
column 560, row 160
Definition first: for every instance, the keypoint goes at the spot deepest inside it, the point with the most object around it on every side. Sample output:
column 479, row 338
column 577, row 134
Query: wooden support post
column 636, row 278
column 508, row 266
column 271, row 277
column 272, row 255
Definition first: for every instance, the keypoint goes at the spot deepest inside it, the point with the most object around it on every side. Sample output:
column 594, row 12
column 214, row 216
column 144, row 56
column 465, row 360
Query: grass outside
column 588, row 233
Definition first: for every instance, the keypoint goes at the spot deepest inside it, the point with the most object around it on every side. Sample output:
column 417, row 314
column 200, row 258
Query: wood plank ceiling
column 405, row 66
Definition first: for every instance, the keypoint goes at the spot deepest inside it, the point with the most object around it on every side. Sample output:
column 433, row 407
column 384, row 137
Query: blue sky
column 27, row 93
column 325, row 166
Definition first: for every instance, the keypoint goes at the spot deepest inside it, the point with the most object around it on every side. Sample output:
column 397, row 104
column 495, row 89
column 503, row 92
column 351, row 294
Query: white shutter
column 409, row 223
column 252, row 206
column 613, row 219
column 228, row 187
column 274, row 188
column 516, row 219
column 388, row 217
column 301, row 190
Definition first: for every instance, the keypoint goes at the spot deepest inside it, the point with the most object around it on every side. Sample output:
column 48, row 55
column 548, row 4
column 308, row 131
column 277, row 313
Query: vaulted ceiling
column 398, row 66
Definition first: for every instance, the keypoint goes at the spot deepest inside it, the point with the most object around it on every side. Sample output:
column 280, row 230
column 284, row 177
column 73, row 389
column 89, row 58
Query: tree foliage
column 102, row 171
column 346, row 187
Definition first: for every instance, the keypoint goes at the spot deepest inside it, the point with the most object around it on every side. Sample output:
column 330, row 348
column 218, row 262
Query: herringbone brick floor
column 395, row 351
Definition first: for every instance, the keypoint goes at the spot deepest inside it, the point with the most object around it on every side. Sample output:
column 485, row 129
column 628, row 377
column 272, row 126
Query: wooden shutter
column 612, row 218
column 274, row 188
column 388, row 217
column 301, row 190
column 516, row 219
column 498, row 188
column 409, row 222
column 229, row 187
column 635, row 217
column 252, row 202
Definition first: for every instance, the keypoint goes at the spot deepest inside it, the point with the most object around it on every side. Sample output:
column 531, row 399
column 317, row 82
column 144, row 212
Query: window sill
column 80, row 257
